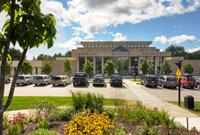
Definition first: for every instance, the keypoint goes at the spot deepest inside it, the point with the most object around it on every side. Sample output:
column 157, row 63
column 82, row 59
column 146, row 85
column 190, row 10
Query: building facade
column 127, row 56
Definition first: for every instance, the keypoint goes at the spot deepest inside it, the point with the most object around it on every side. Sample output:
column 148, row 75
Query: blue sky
column 164, row 22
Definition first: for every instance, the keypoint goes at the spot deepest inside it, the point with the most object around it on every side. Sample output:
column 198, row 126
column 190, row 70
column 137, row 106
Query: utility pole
column 178, row 74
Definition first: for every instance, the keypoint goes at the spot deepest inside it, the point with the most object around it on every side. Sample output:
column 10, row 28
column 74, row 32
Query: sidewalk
column 152, row 101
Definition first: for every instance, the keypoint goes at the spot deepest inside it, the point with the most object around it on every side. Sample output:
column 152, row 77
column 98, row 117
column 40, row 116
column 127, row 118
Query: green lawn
column 22, row 102
column 137, row 80
column 196, row 107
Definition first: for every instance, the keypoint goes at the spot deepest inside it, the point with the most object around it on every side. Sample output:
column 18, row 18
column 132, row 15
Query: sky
column 164, row 22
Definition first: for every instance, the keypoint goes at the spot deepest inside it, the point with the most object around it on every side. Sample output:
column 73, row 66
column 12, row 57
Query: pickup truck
column 80, row 78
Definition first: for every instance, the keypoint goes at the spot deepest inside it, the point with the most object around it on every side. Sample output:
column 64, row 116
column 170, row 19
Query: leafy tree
column 88, row 68
column 28, row 27
column 166, row 68
column 44, row 56
column 47, row 68
column 67, row 67
column 26, row 68
column 188, row 69
column 8, row 68
column 176, row 50
column 109, row 67
column 68, row 54
column 145, row 67
column 15, row 53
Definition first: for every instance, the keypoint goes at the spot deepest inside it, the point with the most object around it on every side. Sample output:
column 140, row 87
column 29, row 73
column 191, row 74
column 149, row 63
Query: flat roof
column 115, row 42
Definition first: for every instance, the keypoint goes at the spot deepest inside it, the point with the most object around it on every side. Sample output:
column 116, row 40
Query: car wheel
column 111, row 84
column 74, row 84
column 192, row 87
column 198, row 86
column 35, row 84
column 163, row 86
column 155, row 86
column 54, row 85
column 17, row 84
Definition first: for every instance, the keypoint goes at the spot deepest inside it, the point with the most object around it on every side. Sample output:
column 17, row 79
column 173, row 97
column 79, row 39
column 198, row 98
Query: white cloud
column 70, row 44
column 119, row 37
column 193, row 50
column 94, row 16
column 176, row 39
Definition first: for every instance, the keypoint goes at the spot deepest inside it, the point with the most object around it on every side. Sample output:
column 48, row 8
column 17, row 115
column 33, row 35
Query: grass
column 137, row 80
column 27, row 102
column 196, row 107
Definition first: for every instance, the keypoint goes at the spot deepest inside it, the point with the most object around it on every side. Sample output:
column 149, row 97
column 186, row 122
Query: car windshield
column 81, row 75
column 152, row 78
column 20, row 77
column 56, row 78
column 38, row 77
column 116, row 77
column 190, row 79
column 99, row 77
column 171, row 79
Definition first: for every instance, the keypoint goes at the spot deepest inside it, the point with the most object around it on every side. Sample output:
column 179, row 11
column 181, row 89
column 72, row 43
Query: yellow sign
column 178, row 73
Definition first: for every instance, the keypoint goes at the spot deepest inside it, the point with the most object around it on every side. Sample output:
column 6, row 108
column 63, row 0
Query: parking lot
column 107, row 91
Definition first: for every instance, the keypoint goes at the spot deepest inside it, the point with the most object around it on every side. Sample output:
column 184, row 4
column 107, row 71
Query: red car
column 187, row 81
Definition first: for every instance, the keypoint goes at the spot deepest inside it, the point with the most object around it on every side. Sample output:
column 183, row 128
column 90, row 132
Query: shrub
column 44, row 107
column 89, row 124
column 14, row 129
column 43, row 132
column 62, row 114
column 43, row 124
column 121, row 131
column 88, row 101
column 5, row 120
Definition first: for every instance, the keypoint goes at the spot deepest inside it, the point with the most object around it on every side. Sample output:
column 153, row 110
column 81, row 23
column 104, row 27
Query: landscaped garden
column 87, row 115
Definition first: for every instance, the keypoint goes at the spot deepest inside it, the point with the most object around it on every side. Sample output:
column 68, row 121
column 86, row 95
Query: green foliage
column 26, row 68
column 62, row 114
column 121, row 131
column 176, row 50
column 43, row 132
column 8, row 68
column 15, row 53
column 166, row 68
column 88, row 68
column 44, row 124
column 188, row 69
column 14, row 129
column 68, row 54
column 47, row 68
column 67, row 67
column 87, row 101
column 44, row 107
column 5, row 120
column 145, row 67
column 109, row 67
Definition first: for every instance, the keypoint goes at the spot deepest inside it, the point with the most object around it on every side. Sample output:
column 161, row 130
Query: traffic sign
column 178, row 73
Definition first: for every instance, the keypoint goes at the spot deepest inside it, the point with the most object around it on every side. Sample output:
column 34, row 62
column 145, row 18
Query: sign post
column 178, row 74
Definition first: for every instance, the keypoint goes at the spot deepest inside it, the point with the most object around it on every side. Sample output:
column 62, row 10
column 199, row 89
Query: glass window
column 98, row 65
column 90, row 59
column 134, row 61
column 81, row 62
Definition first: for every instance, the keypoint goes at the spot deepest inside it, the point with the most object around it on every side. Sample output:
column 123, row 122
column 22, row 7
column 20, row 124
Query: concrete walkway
column 152, row 101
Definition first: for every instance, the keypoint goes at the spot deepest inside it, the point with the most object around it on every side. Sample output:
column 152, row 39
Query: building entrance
column 121, row 65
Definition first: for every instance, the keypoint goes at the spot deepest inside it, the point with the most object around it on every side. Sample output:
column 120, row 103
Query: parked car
column 7, row 80
column 116, row 80
column 24, row 80
column 98, row 80
column 167, row 81
column 149, row 80
column 187, row 81
column 80, row 78
column 60, row 80
column 198, row 82
column 41, row 79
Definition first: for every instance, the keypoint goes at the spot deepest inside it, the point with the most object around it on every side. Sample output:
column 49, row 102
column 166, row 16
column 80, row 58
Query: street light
column 178, row 73
column 135, row 72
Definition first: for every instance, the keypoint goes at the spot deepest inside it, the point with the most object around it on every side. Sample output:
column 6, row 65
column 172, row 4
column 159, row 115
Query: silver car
column 168, row 81
column 60, row 80
column 41, row 79
column 24, row 80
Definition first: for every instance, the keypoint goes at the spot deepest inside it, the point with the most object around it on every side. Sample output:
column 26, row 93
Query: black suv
column 116, row 80
column 80, row 78
column 149, row 80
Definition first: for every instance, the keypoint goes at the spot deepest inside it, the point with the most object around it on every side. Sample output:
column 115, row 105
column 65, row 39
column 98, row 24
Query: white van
column 41, row 79
column 60, row 80
column 24, row 79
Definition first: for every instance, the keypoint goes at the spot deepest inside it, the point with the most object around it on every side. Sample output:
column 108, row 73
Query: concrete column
column 94, row 65
column 156, row 64
column 129, row 65
column 77, row 64
column 102, row 65
column 139, row 65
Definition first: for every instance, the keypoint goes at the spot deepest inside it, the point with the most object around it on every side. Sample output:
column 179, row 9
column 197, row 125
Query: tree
column 88, row 68
column 109, row 67
column 166, row 68
column 68, row 54
column 176, row 50
column 47, row 68
column 43, row 57
column 8, row 68
column 188, row 69
column 27, row 27
column 145, row 67
column 67, row 67
column 26, row 68
column 15, row 53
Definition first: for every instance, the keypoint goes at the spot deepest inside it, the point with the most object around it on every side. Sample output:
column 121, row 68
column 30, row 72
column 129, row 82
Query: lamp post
column 178, row 73
column 135, row 72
